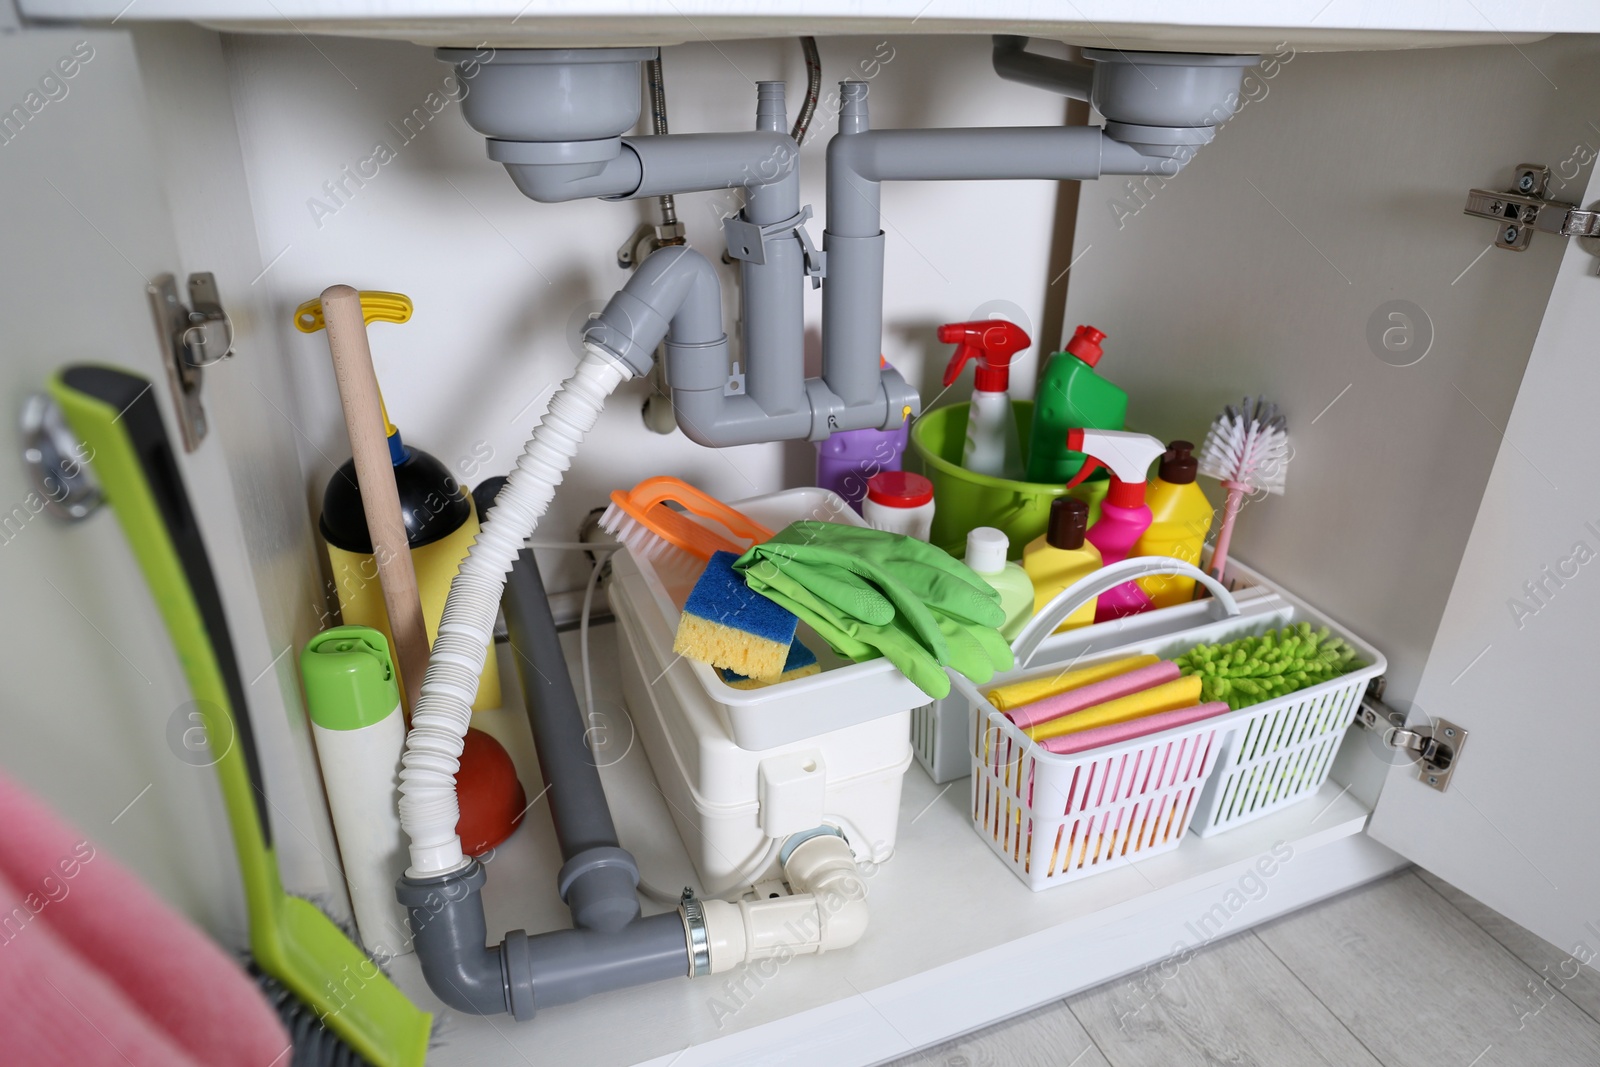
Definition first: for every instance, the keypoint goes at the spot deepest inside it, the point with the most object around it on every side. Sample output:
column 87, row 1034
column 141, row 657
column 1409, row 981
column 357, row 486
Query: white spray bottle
column 992, row 447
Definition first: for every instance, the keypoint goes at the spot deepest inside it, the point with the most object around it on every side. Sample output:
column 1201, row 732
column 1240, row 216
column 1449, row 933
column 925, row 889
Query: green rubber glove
column 870, row 593
column 849, row 636
column 886, row 573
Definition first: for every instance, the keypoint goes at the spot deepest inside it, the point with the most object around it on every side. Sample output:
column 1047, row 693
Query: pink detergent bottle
column 1124, row 516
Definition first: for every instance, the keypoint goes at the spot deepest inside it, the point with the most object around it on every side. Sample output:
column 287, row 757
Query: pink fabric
column 1127, row 731
column 1120, row 685
column 94, row 969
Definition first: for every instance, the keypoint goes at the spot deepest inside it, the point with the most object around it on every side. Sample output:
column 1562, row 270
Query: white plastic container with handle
column 1055, row 818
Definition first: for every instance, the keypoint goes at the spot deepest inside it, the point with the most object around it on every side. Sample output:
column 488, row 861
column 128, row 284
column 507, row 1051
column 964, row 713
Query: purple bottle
column 847, row 459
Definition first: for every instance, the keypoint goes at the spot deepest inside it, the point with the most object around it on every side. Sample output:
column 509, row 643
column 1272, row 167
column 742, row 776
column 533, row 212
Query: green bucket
column 963, row 500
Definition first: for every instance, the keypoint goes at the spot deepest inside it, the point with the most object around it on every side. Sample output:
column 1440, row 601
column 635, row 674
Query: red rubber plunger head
column 492, row 799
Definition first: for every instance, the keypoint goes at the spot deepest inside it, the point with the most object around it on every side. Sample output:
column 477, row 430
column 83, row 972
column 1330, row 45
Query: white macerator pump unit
column 556, row 119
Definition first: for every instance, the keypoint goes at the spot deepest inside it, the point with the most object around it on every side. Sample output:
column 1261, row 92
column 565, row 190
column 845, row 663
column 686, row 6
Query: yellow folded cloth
column 1006, row 697
column 1183, row 693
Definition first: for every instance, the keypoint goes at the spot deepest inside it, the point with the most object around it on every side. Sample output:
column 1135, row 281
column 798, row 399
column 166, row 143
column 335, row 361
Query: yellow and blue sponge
column 728, row 625
column 802, row 663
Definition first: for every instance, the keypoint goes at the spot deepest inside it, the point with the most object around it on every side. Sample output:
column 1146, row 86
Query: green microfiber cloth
column 726, row 624
column 1256, row 669
column 802, row 663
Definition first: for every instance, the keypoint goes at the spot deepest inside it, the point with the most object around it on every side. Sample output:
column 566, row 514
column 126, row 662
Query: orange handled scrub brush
column 676, row 526
column 1247, row 450
column 644, row 520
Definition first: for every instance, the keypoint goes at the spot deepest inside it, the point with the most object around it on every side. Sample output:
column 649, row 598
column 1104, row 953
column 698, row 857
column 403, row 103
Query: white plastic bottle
column 993, row 446
column 353, row 700
column 899, row 502
column 986, row 554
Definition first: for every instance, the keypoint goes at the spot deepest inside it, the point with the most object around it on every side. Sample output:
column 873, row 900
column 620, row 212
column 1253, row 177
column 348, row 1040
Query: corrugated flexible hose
column 428, row 805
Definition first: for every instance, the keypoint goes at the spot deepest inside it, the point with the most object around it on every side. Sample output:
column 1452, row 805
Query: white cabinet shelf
column 955, row 942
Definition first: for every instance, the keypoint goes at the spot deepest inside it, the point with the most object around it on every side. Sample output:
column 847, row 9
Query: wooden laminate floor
column 1406, row 972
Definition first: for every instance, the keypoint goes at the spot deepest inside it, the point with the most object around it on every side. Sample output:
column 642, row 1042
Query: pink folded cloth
column 1127, row 731
column 95, row 970
column 1121, row 685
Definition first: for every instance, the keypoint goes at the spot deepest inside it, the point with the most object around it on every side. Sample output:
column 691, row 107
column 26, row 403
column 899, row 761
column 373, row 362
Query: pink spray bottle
column 1124, row 516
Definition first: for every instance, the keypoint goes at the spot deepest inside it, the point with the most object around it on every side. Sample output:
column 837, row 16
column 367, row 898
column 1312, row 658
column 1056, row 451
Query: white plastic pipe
column 827, row 911
column 428, row 806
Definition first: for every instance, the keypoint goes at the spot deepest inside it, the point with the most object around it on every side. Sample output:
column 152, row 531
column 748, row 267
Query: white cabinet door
column 93, row 706
column 1516, row 660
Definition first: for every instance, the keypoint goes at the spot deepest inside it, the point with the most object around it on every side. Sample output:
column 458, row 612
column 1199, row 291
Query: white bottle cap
column 986, row 549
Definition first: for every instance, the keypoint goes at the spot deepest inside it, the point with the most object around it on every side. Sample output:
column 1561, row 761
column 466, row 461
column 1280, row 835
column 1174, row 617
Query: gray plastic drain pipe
column 555, row 118
column 1013, row 63
column 611, row 947
column 859, row 159
column 599, row 878
column 675, row 296
column 1160, row 108
column 526, row 972
column 773, row 284
column 645, row 167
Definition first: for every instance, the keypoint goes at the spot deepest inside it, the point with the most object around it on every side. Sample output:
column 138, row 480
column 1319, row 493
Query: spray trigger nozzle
column 992, row 342
column 1125, row 456
column 1090, row 465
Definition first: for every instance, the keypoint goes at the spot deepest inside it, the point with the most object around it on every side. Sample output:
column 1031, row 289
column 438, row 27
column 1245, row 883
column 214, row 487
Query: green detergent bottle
column 1071, row 395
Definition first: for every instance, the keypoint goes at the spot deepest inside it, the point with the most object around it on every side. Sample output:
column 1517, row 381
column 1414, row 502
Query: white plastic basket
column 843, row 695
column 1056, row 818
column 939, row 734
column 1282, row 752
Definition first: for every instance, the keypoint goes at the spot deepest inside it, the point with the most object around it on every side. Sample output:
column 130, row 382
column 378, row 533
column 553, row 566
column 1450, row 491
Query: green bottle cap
column 349, row 678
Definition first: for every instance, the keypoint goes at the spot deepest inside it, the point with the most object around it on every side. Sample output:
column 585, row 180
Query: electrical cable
column 583, row 657
column 862, row 844
column 808, row 106
column 748, row 874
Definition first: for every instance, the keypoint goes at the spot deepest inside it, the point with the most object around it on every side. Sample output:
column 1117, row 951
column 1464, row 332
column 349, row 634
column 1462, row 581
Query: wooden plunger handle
column 380, row 496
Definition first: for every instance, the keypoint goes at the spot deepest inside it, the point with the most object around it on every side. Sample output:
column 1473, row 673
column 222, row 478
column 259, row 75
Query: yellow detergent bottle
column 1181, row 517
column 1061, row 557
column 441, row 524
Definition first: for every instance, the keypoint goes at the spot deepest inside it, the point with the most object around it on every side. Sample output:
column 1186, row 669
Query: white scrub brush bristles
column 643, row 542
column 1247, row 450
column 1248, row 444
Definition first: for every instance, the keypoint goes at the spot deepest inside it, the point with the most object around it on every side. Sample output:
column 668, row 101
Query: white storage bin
column 939, row 733
column 730, row 802
column 845, row 694
column 1056, row 818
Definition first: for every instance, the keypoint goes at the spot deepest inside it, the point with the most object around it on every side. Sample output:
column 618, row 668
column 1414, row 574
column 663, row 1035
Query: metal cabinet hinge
column 193, row 338
column 57, row 462
column 1523, row 209
column 1434, row 746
